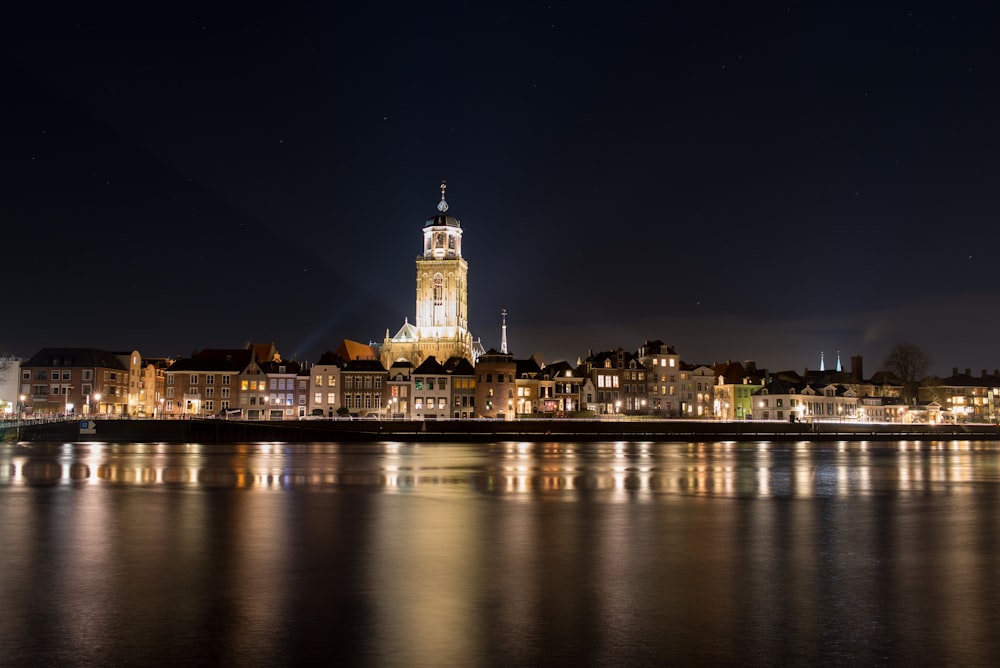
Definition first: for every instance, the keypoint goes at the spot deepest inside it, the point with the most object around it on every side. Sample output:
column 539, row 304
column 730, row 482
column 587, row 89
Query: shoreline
column 476, row 431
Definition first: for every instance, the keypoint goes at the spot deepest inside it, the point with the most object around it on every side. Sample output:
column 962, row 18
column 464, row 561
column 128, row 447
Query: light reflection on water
column 627, row 471
column 505, row 554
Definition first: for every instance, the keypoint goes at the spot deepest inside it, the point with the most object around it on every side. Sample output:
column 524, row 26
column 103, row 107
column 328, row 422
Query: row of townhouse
column 963, row 396
column 255, row 383
column 90, row 381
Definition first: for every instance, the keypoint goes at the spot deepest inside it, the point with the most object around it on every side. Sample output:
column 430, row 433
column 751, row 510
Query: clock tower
column 442, row 317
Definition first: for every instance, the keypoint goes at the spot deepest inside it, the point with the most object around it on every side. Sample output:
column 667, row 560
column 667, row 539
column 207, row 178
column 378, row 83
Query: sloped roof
column 74, row 357
column 353, row 350
column 527, row 367
column 559, row 369
column 194, row 364
column 329, row 358
column 732, row 373
column 406, row 333
column 459, row 366
column 215, row 359
column 364, row 365
column 431, row 367
column 275, row 367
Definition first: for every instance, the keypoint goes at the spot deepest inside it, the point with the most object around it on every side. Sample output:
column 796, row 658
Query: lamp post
column 20, row 407
column 67, row 406
column 97, row 401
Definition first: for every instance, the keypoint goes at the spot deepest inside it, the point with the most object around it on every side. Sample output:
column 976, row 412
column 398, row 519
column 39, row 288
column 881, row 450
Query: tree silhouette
column 909, row 363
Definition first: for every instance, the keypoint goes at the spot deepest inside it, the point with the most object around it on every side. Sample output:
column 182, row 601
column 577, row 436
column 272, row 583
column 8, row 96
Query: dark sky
column 742, row 183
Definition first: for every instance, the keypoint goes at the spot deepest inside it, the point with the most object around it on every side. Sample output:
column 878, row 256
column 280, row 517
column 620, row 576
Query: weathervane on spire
column 443, row 205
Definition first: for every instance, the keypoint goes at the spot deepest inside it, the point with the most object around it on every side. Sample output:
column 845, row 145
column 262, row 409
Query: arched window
column 438, row 290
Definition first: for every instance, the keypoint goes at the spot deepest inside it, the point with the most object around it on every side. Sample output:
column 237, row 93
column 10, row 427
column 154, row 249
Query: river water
column 510, row 554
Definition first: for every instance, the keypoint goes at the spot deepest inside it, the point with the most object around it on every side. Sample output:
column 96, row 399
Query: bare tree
column 909, row 363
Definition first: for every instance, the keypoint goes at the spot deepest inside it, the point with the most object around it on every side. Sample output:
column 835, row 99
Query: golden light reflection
column 613, row 472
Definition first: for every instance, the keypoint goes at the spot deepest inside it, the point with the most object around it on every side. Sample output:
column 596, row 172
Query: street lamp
column 67, row 406
column 20, row 407
column 97, row 400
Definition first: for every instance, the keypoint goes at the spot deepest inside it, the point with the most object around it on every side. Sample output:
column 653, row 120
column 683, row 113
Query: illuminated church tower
column 442, row 322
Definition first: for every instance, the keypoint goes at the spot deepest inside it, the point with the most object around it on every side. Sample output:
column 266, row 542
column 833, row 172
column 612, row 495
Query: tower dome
column 442, row 219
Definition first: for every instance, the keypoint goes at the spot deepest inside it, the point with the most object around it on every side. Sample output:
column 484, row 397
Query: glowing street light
column 97, row 402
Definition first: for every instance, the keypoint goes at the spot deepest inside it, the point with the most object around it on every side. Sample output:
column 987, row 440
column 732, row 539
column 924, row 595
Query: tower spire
column 503, row 332
column 443, row 205
column 839, row 368
column 821, row 361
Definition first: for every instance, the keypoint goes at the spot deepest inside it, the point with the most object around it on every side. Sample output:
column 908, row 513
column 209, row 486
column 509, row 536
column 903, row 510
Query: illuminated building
column 68, row 380
column 442, row 308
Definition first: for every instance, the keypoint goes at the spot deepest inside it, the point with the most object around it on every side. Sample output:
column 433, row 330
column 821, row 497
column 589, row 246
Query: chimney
column 954, row 370
column 968, row 371
column 856, row 367
column 984, row 373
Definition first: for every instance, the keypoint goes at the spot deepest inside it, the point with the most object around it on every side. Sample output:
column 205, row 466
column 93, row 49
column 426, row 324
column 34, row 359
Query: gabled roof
column 732, row 373
column 329, row 358
column 430, row 367
column 527, row 368
column 459, row 366
column 685, row 366
column 74, row 357
column 406, row 333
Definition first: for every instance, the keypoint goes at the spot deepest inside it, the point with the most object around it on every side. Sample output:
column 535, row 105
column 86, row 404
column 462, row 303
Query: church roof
column 406, row 333
column 353, row 350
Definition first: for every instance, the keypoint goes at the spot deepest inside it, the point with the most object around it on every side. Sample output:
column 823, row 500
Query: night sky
column 754, row 183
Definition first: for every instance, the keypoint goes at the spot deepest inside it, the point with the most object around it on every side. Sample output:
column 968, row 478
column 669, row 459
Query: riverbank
column 476, row 431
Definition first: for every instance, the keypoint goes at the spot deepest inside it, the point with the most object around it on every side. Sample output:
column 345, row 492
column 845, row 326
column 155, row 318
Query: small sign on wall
column 88, row 427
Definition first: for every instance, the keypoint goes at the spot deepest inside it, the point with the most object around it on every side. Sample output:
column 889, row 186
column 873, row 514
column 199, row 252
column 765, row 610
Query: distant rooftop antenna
column 503, row 332
column 821, row 361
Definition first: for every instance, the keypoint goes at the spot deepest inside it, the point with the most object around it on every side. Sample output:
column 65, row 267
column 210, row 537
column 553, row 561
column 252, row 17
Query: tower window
column 438, row 290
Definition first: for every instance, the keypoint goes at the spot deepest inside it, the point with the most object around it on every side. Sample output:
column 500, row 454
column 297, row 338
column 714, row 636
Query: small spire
column 839, row 368
column 503, row 332
column 821, row 361
column 443, row 205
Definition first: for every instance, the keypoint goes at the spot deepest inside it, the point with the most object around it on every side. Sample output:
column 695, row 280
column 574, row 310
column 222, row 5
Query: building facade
column 442, row 308
column 74, row 381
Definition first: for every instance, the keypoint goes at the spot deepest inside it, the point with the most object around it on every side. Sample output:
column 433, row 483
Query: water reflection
column 601, row 554
column 633, row 472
